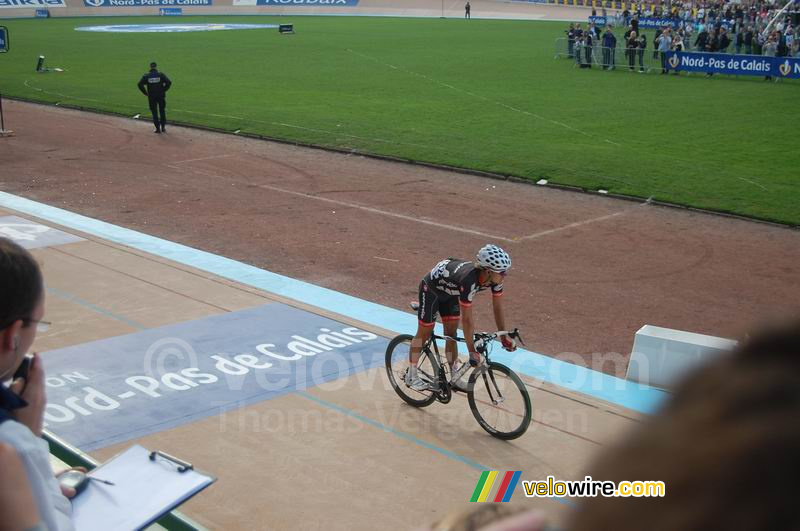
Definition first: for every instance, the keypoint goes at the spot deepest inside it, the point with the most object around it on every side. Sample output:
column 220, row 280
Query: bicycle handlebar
column 513, row 334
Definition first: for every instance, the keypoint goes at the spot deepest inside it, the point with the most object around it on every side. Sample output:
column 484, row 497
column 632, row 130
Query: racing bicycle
column 497, row 397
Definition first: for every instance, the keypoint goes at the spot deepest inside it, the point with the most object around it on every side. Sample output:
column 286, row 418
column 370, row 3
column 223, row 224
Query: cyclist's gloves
column 508, row 343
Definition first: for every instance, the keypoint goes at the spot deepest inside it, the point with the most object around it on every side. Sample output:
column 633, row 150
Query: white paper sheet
column 143, row 491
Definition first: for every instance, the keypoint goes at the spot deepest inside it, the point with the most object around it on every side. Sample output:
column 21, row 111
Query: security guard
column 157, row 84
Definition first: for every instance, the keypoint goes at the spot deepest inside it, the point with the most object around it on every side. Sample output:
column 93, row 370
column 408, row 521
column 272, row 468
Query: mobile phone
column 24, row 368
column 74, row 479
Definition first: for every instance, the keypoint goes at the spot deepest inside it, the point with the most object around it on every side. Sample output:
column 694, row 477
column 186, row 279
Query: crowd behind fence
column 749, row 35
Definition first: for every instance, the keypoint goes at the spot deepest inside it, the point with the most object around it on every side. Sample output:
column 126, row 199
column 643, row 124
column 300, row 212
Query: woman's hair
column 21, row 283
column 725, row 446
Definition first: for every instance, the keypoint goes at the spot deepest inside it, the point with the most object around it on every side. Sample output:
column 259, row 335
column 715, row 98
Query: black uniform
column 157, row 84
column 449, row 285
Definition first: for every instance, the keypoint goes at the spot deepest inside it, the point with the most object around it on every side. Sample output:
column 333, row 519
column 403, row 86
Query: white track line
column 385, row 213
column 578, row 223
column 201, row 159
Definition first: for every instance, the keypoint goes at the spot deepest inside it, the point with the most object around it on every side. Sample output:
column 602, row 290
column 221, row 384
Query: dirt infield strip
column 588, row 271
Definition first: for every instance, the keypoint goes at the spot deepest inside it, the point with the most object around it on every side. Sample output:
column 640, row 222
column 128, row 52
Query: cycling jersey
column 452, row 283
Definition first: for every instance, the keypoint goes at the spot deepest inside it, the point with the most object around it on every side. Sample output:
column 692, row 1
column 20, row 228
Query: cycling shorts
column 433, row 302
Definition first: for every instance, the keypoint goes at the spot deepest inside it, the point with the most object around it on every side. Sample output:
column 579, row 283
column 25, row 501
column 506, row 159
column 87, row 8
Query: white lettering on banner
column 86, row 401
column 755, row 65
column 697, row 62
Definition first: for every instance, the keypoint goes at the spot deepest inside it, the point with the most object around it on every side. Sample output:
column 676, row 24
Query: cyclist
column 448, row 290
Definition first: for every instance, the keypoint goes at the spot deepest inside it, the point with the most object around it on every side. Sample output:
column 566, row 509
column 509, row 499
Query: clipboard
column 147, row 485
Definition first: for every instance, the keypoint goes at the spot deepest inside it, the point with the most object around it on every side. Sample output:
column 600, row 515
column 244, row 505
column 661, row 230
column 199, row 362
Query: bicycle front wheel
column 397, row 364
column 499, row 401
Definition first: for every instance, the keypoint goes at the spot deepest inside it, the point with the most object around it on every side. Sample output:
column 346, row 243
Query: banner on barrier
column 739, row 65
column 3, row 39
column 341, row 3
column 31, row 4
column 649, row 22
column 170, row 11
column 145, row 3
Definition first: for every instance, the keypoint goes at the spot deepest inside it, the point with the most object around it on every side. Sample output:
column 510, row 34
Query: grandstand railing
column 173, row 521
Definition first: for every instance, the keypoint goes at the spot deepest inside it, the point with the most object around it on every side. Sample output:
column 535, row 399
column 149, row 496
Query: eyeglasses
column 41, row 326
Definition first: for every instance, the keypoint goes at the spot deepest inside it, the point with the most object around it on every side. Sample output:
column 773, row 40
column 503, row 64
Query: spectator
column 770, row 49
column 627, row 34
column 609, row 49
column 724, row 41
column 712, row 46
column 16, row 499
column 641, row 44
column 739, row 41
column 22, row 404
column 571, row 40
column 725, row 446
column 492, row 517
column 588, row 43
column 782, row 50
column 631, row 45
column 664, row 43
column 635, row 24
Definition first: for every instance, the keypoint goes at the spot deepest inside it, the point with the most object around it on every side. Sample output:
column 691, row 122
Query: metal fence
column 619, row 58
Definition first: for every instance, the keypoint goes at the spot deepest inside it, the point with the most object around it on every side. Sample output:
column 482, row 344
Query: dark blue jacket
column 157, row 84
column 609, row 40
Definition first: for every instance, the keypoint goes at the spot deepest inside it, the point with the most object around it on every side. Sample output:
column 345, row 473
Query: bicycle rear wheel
column 499, row 401
column 397, row 364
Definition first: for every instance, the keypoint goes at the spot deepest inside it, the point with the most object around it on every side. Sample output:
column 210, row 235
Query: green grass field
column 478, row 94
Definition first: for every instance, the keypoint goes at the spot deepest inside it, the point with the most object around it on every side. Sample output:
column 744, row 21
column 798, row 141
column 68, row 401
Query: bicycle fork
column 500, row 398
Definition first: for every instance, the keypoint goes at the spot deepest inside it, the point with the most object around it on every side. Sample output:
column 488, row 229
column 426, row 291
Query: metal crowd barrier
column 618, row 58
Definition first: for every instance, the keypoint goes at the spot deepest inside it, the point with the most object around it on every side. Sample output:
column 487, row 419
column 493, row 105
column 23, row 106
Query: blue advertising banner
column 121, row 388
column 170, row 11
column 341, row 3
column 649, row 22
column 3, row 39
column 739, row 65
column 31, row 3
column 145, row 3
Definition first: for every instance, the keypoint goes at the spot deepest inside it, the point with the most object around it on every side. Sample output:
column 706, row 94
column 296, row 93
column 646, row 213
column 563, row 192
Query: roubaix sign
column 31, row 4
column 312, row 3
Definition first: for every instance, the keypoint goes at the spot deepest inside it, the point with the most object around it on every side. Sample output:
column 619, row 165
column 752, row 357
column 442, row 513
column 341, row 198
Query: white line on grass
column 472, row 94
column 753, row 182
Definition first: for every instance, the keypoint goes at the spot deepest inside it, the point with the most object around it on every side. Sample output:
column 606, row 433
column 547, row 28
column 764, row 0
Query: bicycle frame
column 442, row 385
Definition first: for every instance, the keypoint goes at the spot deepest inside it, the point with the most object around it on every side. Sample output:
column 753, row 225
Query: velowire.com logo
column 505, row 487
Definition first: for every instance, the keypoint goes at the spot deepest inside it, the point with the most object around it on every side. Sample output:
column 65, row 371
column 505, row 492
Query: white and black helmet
column 494, row 258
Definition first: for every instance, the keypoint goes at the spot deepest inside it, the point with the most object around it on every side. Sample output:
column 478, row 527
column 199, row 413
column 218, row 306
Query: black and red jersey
column 458, row 278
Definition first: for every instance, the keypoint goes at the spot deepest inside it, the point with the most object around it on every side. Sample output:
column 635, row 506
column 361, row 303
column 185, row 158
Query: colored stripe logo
column 504, row 491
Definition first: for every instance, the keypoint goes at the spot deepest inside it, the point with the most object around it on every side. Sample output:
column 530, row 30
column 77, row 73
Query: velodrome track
column 588, row 270
column 347, row 454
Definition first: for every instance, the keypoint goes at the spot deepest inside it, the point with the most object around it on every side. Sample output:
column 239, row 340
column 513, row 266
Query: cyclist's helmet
column 494, row 258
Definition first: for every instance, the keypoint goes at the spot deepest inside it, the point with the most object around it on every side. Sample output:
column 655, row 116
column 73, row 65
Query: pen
column 107, row 482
